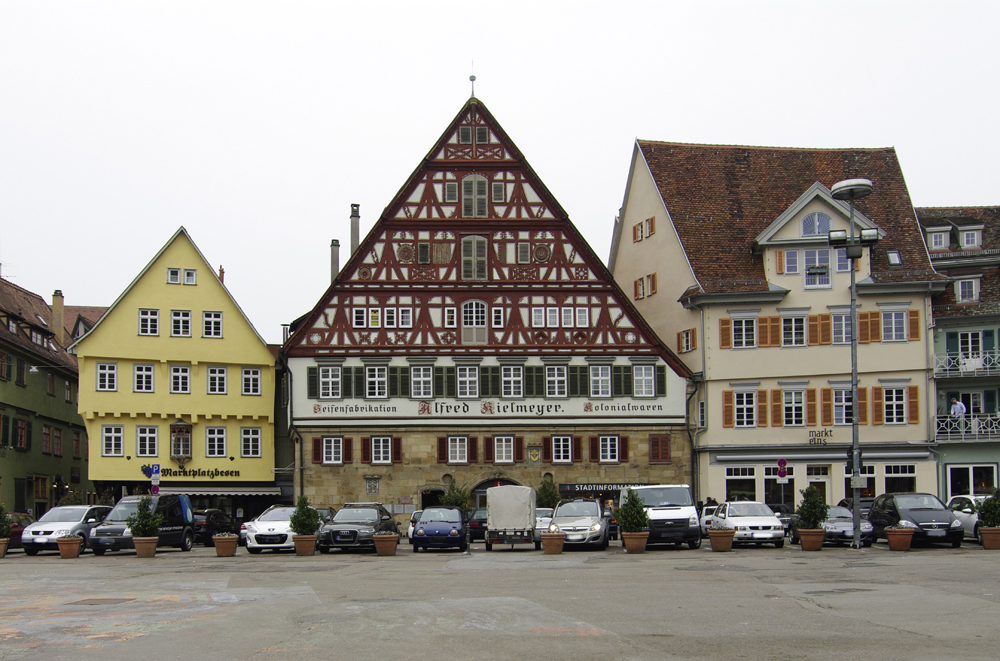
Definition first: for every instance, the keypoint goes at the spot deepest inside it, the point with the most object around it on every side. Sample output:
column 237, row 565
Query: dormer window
column 938, row 240
column 971, row 239
column 967, row 291
column 816, row 224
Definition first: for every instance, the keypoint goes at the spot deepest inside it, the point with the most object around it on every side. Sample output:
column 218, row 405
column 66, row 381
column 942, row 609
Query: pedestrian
column 958, row 413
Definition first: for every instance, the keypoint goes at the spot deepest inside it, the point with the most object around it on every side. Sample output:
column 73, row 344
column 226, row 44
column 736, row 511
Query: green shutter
column 393, row 382
column 404, row 381
column 312, row 382
column 951, row 343
column 360, row 391
column 346, row 383
column 450, row 382
column 627, row 381
column 439, row 382
column 585, row 381
column 4, row 431
column 484, row 382
column 617, row 380
column 988, row 342
column 495, row 381
column 27, row 436
column 661, row 380
column 989, row 401
column 528, row 383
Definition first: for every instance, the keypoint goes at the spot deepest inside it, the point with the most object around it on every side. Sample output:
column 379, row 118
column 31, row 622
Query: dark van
column 176, row 530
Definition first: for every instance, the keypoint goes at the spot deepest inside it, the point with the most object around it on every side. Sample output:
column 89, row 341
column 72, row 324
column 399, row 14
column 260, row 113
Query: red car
column 18, row 522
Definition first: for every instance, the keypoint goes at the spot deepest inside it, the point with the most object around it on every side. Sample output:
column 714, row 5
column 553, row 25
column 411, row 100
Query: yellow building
column 174, row 374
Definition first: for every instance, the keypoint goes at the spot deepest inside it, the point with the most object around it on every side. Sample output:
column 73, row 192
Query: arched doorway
column 430, row 496
column 478, row 493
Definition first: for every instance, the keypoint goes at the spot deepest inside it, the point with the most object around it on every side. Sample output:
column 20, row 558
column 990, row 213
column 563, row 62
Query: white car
column 543, row 517
column 271, row 530
column 706, row 518
column 753, row 522
column 964, row 509
column 413, row 524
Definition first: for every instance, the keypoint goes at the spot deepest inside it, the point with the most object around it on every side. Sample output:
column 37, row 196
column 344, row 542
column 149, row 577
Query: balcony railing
column 968, row 428
column 979, row 363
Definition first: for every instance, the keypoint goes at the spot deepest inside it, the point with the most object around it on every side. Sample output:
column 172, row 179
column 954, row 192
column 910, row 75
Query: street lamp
column 854, row 189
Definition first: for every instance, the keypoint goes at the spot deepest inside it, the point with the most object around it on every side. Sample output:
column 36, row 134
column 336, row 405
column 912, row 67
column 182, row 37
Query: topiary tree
column 813, row 510
column 305, row 520
column 547, row 494
column 142, row 522
column 632, row 515
column 71, row 498
column 989, row 511
column 5, row 528
column 456, row 496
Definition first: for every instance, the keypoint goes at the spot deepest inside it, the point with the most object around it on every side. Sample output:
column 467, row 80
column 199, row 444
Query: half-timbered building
column 474, row 337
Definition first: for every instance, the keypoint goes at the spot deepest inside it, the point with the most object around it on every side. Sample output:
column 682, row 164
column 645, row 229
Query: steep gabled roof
column 32, row 313
column 720, row 198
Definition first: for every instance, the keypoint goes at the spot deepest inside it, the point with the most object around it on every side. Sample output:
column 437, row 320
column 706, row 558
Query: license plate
column 935, row 533
column 343, row 538
column 762, row 535
column 574, row 538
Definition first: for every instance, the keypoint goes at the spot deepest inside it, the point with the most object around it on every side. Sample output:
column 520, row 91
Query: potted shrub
column 5, row 529
column 812, row 512
column 547, row 494
column 305, row 523
column 899, row 536
column 989, row 521
column 721, row 537
column 385, row 542
column 633, row 523
column 145, row 528
column 70, row 545
column 225, row 544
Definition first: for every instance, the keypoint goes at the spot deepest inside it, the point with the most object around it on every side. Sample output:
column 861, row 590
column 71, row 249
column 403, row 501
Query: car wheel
column 99, row 550
column 323, row 549
column 957, row 544
column 416, row 548
column 463, row 547
column 31, row 551
column 695, row 543
column 187, row 541
column 489, row 546
column 794, row 538
column 604, row 543
column 252, row 550
column 779, row 544
column 83, row 544
column 538, row 546
column 206, row 539
column 866, row 543
column 979, row 536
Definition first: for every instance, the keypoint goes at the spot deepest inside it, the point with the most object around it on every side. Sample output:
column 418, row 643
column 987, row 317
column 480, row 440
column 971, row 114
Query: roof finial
column 472, row 78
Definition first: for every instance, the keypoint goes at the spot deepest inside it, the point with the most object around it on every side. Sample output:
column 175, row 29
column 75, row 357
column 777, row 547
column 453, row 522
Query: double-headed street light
column 850, row 190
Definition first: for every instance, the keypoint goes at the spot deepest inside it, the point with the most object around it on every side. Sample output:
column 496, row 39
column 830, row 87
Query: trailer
column 510, row 515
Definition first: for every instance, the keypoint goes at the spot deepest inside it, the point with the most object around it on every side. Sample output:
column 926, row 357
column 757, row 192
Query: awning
column 223, row 491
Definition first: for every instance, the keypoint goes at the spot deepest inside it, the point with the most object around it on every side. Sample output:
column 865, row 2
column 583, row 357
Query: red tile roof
column 31, row 310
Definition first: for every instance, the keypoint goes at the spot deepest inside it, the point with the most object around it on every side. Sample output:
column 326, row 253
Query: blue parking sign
column 156, row 469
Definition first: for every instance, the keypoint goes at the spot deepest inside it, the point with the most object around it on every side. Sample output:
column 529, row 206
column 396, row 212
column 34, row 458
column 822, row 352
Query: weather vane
column 472, row 79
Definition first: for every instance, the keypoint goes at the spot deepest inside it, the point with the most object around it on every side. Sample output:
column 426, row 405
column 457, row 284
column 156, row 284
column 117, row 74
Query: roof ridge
column 760, row 147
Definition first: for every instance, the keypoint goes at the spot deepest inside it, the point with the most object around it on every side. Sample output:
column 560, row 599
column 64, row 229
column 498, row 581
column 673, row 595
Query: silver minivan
column 78, row 520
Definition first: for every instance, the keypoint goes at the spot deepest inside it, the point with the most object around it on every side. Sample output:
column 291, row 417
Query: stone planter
column 70, row 547
column 552, row 542
column 386, row 544
column 722, row 540
column 304, row 544
column 145, row 547
column 899, row 539
column 225, row 547
column 3, row 546
column 635, row 542
column 990, row 537
column 811, row 538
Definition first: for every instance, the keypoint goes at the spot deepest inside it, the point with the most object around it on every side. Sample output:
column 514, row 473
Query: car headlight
column 829, row 526
column 693, row 521
column 742, row 528
column 866, row 527
column 907, row 524
column 553, row 527
column 596, row 526
column 367, row 529
column 956, row 524
column 453, row 533
column 127, row 533
column 420, row 532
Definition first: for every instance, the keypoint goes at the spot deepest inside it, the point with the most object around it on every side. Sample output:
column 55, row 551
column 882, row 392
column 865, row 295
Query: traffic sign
column 782, row 472
column 156, row 469
column 782, row 480
column 155, row 489
column 781, row 462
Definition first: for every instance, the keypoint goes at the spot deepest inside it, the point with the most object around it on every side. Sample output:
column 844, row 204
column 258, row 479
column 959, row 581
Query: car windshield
column 749, row 509
column 442, row 515
column 578, row 509
column 415, row 516
column 479, row 514
column 840, row 513
column 123, row 510
column 277, row 514
column 918, row 502
column 709, row 510
column 356, row 515
column 543, row 512
column 62, row 516
column 665, row 496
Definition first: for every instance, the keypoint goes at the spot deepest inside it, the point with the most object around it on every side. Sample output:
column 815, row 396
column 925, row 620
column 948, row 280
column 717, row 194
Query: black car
column 866, row 504
column 177, row 528
column 785, row 513
column 477, row 525
column 839, row 527
column 212, row 522
column 354, row 527
column 931, row 521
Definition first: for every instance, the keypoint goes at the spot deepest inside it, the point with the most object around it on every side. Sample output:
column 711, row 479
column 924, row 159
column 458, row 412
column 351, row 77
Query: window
column 474, row 197
column 111, row 441
column 190, row 276
column 567, row 317
column 329, row 382
column 791, row 261
column 333, row 450
column 251, row 380
column 841, row 328
column 687, row 341
column 458, row 449
column 702, row 414
column 465, row 135
column 374, row 317
column 41, row 487
column 422, row 382
column 377, row 382
column 643, row 381
column 970, row 239
column 552, row 317
column 468, row 381
column 450, row 195
column 745, row 409
column 142, row 376
column 894, row 403
column 180, row 323
column 381, row 449
column 390, row 318
column 555, row 381
column 600, row 380
column 173, row 276
column 977, row 479
column 215, row 441
column 50, row 384
column 793, row 331
column 180, row 445
column 180, row 379
column 76, row 445
column 57, row 442
column 843, row 263
column 816, row 224
column 250, row 442
column 22, row 369
column 499, row 194
column 744, row 333
column 503, row 448
column 741, row 483
column 46, row 439
column 609, row 448
column 482, row 135
column 216, row 380
column 67, row 390
column 149, row 322
column 473, row 322
column 511, row 380
column 406, row 317
column 561, row 449
column 817, row 263
column 583, row 317
column 638, row 232
column 360, row 317
column 107, row 376
column 497, row 317
column 843, row 408
column 424, row 249
column 794, row 408
column 524, row 253
column 893, row 326
column 145, row 440
column 900, row 478
column 895, row 257
column 538, row 317
column 967, row 291
column 211, row 324
column 450, row 318
column 938, row 241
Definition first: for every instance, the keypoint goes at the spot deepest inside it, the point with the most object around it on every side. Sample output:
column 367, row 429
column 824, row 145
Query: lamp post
column 850, row 190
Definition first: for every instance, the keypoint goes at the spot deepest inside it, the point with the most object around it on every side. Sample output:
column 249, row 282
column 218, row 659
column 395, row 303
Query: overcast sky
column 256, row 125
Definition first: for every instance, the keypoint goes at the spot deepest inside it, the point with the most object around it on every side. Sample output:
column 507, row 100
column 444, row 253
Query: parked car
column 79, row 520
column 271, row 530
column 441, row 527
column 413, row 522
column 866, row 504
column 177, row 528
column 706, row 518
column 673, row 516
column 931, row 521
column 582, row 519
column 964, row 509
column 212, row 522
column 839, row 527
column 18, row 522
column 354, row 527
column 785, row 514
column 543, row 517
column 753, row 522
column 477, row 525
column 327, row 513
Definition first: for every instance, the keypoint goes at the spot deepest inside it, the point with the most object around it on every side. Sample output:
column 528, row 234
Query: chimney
column 222, row 274
column 355, row 227
column 334, row 259
column 57, row 317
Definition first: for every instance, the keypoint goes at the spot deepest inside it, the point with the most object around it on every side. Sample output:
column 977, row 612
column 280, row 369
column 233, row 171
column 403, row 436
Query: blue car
column 441, row 527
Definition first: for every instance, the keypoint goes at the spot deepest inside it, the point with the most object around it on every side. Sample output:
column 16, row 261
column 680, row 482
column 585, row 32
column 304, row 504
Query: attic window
column 482, row 135
column 939, row 240
column 499, row 195
column 451, row 191
column 816, row 224
column 895, row 259
column 423, row 253
column 173, row 276
column 970, row 239
column 190, row 276
column 465, row 135
column 39, row 318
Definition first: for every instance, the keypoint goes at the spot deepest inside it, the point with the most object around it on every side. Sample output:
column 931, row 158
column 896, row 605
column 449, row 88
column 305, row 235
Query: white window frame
column 211, row 324
column 451, row 192
column 146, row 440
column 173, row 276
column 149, row 322
column 180, row 323
column 791, row 262
column 894, row 325
column 967, row 290
column 333, row 450
column 421, row 381
column 843, row 263
column 458, row 449
column 376, row 382
column 474, row 322
column 745, row 409
column 552, row 317
column 467, row 377
column 251, row 380
column 217, row 378
column 512, row 381
column 250, row 442
column 107, row 377
column 503, row 449
column 451, row 317
column 112, row 440
column 896, row 406
column 405, row 317
column 568, row 320
column 812, row 258
column 375, row 317
column 215, row 442
column 938, row 240
column 583, row 317
column 816, row 222
column 600, row 380
column 793, row 409
column 608, row 446
column 381, row 449
column 796, row 335
column 562, row 449
column 329, row 381
column 180, row 379
column 498, row 316
column 143, row 377
column 359, row 318
column 190, row 276
column 843, row 407
column 744, row 332
column 646, row 376
column 180, row 446
column 841, row 327
column 389, row 317
column 538, row 317
column 686, row 342
column 556, row 384
column 970, row 239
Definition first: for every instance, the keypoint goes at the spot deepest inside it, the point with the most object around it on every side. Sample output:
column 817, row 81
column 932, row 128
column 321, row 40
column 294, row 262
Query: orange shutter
column 775, row 331
column 913, row 404
column 725, row 333
column 811, row 407
column 878, row 406
column 812, row 337
column 762, row 408
column 694, row 339
column 875, row 325
column 680, row 347
column 857, row 264
column 652, row 283
column 727, row 408
column 826, row 329
column 636, row 289
column 862, row 407
column 777, row 403
column 826, row 406
column 914, row 319
column 863, row 337
column 779, row 261
column 635, row 233
column 763, row 337
column 651, row 226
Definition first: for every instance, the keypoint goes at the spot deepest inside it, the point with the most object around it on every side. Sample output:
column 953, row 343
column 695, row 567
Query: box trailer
column 510, row 515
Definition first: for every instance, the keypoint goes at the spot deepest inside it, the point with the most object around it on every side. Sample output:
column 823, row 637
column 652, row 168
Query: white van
column 673, row 517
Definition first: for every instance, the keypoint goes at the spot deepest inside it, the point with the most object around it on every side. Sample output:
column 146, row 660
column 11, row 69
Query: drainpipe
column 693, row 439
column 301, row 467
